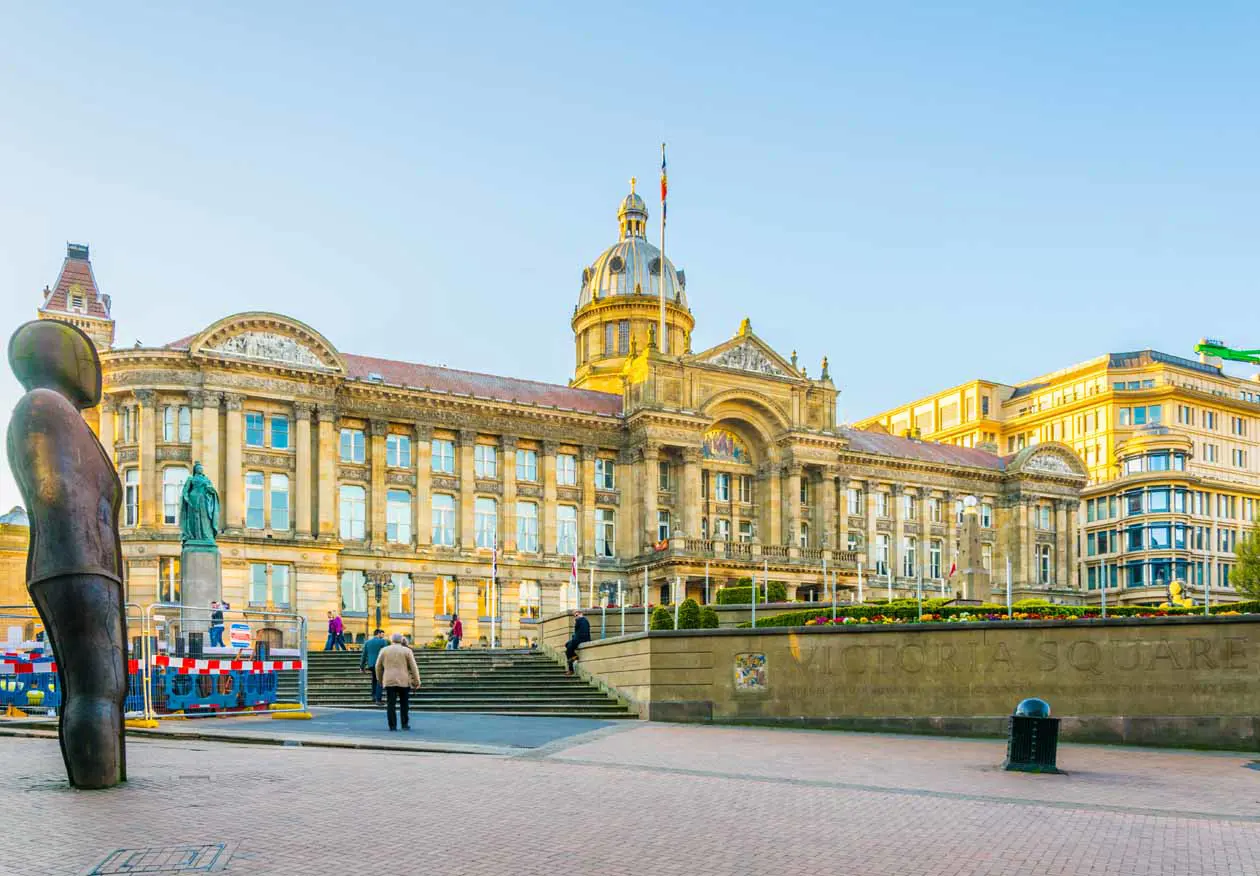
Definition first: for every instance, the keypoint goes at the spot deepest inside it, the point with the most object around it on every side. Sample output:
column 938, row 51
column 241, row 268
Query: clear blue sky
column 924, row 193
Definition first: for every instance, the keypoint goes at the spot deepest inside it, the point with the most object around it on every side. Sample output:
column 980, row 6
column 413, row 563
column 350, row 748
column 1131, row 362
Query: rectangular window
column 566, row 469
column 1240, row 458
column 722, row 486
column 1044, row 557
column 986, row 556
column 722, row 529
column 909, row 559
column 443, row 510
column 527, row 527
column 353, row 596
column 1209, row 420
column 986, row 515
column 486, row 522
column 280, row 577
column 353, row 509
column 855, row 503
column 185, row 424
column 527, row 465
column 443, row 456
column 1238, row 425
column 168, row 580
column 1043, row 517
column 984, row 406
column 934, row 558
column 168, row 423
column 352, row 446
column 623, row 337
column 662, row 475
column 908, row 507
column 279, row 438
column 604, row 474
column 882, row 504
column 1159, row 537
column 131, row 497
column 934, row 509
column 1157, row 501
column 486, row 461
column 400, row 602
column 881, row 553
column 398, row 451
column 1210, row 452
column 253, row 429
column 704, row 485
column 279, row 501
column 173, row 479
column 530, row 600
column 398, row 516
column 566, row 530
column 255, row 513
column 128, row 425
column 257, row 583
column 609, row 339
column 605, row 532
column 745, row 531
column 662, row 526
column 746, row 489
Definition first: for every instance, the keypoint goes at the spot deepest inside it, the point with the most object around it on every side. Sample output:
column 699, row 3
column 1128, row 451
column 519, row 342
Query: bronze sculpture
column 198, row 510
column 74, row 563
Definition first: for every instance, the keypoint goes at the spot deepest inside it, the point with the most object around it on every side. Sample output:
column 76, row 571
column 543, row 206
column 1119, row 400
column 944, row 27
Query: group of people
column 217, row 607
column 336, row 633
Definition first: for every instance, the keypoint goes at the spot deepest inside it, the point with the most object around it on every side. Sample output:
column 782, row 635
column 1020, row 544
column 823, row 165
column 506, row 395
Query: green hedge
column 743, row 595
column 662, row 618
column 689, row 615
column 708, row 619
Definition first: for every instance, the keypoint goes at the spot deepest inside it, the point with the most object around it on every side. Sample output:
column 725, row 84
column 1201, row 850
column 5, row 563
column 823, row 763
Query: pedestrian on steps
column 367, row 662
column 397, row 672
column 457, row 632
column 581, row 633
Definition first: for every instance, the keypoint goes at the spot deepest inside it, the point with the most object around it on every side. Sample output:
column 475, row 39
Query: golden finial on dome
column 632, row 182
column 745, row 327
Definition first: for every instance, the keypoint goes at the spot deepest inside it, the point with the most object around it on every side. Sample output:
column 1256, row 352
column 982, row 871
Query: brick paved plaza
column 636, row 799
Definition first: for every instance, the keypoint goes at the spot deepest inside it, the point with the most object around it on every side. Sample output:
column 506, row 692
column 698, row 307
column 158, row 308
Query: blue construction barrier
column 223, row 692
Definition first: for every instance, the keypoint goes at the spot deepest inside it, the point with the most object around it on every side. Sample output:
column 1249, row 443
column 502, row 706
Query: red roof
column 508, row 389
column 76, row 270
column 881, row 444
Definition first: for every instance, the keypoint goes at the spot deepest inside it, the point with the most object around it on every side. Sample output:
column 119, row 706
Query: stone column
column 925, row 535
column 423, row 497
column 466, row 538
column 507, row 520
column 628, row 507
column 588, row 501
column 105, row 430
column 648, row 476
column 1027, row 541
column 302, row 458
column 899, row 531
column 327, row 464
column 548, row 534
column 233, row 488
column 872, row 530
column 1061, row 558
column 377, row 429
column 210, row 437
column 196, row 404
column 774, row 515
column 689, row 493
column 827, row 515
column 150, row 489
column 792, row 502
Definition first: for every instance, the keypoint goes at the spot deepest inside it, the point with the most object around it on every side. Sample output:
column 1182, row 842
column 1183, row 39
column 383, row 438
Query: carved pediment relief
column 747, row 355
column 269, row 346
column 269, row 338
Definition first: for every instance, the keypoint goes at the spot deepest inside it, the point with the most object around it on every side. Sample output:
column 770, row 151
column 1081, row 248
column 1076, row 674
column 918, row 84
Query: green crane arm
column 1216, row 348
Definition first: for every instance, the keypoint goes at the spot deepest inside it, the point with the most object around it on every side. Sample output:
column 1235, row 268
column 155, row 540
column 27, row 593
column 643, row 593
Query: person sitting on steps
column 581, row 633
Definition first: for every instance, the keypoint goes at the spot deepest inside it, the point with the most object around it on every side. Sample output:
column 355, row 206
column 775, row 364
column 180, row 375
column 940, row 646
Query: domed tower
column 619, row 311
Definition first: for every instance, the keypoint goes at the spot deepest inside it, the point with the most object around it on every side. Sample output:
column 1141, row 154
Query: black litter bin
column 196, row 645
column 1032, row 743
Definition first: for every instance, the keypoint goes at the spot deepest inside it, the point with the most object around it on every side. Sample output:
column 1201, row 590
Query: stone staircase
column 496, row 682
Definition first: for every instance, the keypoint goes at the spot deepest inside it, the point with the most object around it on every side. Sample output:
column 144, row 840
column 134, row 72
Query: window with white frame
column 398, row 450
column 255, row 509
column 804, row 535
column 604, row 474
column 883, row 504
column 352, row 445
column 486, row 521
column 1044, row 565
column 722, row 486
column 1211, row 453
column 168, row 580
column 527, row 465
column 353, row 596
column 279, row 432
column 934, row 559
column 131, row 497
column 173, row 478
column 443, row 456
column 254, row 429
column 353, row 510
column 279, row 501
column 722, row 529
column 443, row 512
column 486, row 461
column 1044, row 517
column 909, row 507
column 662, row 474
column 605, row 532
column 128, row 430
column 881, row 553
column 281, row 578
column 959, row 508
column 1240, row 458
column 529, row 599
column 856, row 507
column 257, row 583
column 185, row 424
column 400, row 598
column 566, row 530
column 745, row 531
column 177, row 424
column 398, row 516
column 854, row 541
column 986, row 515
column 909, row 555
column 934, row 509
column 662, row 525
column 527, row 527
column 986, row 556
column 169, row 416
column 745, row 489
column 566, row 469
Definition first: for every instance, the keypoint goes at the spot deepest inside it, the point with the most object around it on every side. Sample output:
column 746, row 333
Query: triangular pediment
column 269, row 338
column 747, row 352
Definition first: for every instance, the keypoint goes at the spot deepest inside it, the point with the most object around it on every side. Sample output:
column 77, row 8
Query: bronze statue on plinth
column 74, row 563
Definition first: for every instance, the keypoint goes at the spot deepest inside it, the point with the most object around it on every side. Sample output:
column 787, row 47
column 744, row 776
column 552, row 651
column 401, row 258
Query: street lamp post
column 378, row 583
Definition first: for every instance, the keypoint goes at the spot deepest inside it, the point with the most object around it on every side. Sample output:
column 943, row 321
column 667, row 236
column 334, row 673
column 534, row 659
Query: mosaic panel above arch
column 723, row 445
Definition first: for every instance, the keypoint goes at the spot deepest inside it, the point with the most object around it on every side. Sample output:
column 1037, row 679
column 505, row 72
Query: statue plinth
column 201, row 583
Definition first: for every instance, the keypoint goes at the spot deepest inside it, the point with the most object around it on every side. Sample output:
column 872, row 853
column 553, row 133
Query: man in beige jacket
column 397, row 672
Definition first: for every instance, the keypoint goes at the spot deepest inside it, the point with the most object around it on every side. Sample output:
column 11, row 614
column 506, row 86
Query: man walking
column 367, row 661
column 216, row 624
column 581, row 633
column 397, row 672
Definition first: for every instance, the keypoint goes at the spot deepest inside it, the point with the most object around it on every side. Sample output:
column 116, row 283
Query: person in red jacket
column 457, row 632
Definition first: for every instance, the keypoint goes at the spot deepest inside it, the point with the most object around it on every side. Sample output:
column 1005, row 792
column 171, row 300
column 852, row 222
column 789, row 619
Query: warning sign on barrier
column 238, row 636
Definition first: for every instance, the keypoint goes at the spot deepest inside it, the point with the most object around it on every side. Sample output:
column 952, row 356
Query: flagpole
column 861, row 599
column 662, row 340
column 494, row 575
column 1008, row 587
column 645, row 599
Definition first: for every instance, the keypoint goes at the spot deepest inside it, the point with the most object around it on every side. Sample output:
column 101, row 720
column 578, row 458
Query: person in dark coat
column 581, row 633
column 367, row 662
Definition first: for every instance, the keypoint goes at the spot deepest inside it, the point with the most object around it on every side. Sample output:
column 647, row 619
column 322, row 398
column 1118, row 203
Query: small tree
column 689, row 615
column 1245, row 576
column 708, row 619
column 662, row 618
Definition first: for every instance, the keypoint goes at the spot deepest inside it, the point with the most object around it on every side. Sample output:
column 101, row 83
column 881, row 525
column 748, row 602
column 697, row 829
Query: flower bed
column 902, row 613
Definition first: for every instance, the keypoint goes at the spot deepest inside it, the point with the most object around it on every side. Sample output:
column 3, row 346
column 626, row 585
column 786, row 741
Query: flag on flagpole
column 664, row 184
column 952, row 569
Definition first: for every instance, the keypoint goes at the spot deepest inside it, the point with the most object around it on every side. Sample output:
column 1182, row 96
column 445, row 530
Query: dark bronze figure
column 74, row 564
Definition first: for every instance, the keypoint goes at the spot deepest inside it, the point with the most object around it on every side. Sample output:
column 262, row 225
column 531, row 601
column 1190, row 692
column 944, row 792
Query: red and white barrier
column 191, row 666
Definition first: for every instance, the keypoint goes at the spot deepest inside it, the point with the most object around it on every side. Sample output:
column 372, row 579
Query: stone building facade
column 656, row 467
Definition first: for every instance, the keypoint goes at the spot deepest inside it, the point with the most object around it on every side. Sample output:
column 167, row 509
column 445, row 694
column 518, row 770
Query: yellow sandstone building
column 1172, row 448
column 341, row 472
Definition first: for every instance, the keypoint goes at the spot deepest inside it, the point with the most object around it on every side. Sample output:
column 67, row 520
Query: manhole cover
column 208, row 858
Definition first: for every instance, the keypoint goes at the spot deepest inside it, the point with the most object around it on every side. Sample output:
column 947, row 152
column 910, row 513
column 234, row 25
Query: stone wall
column 1169, row 681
